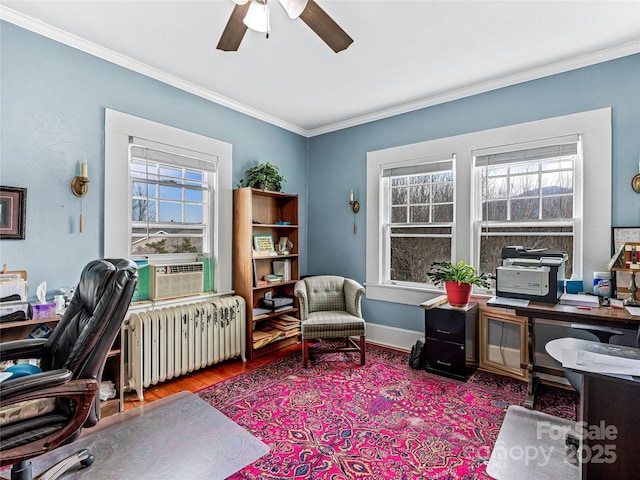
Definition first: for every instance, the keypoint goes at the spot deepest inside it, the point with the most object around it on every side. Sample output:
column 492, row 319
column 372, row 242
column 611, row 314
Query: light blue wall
column 53, row 99
column 337, row 161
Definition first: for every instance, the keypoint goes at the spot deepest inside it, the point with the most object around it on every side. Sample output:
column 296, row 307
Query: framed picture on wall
column 622, row 235
column 13, row 209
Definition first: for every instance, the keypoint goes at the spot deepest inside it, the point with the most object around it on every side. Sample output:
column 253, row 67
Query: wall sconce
column 635, row 181
column 80, row 185
column 355, row 205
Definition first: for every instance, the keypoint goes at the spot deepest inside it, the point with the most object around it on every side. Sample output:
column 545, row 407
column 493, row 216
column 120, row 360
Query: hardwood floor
column 203, row 378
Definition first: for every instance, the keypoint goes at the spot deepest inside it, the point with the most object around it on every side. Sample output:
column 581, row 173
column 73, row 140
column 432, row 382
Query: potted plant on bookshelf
column 458, row 279
column 265, row 176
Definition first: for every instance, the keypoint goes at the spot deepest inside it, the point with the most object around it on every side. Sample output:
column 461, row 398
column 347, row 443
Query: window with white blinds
column 526, row 196
column 171, row 199
column 419, row 215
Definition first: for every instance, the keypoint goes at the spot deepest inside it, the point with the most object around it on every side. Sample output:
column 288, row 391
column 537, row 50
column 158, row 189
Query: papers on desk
column 599, row 363
column 579, row 300
column 507, row 302
column 635, row 311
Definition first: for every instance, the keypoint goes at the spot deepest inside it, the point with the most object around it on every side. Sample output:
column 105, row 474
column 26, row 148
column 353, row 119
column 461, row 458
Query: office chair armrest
column 604, row 334
column 81, row 392
column 19, row 349
column 12, row 390
column 353, row 292
column 300, row 291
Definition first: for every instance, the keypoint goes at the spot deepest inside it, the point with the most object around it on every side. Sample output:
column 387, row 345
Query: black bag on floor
column 416, row 358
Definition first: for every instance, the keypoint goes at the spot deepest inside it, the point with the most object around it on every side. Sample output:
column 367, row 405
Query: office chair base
column 23, row 471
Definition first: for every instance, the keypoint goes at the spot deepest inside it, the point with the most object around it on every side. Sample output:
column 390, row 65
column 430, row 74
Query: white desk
column 555, row 348
column 608, row 412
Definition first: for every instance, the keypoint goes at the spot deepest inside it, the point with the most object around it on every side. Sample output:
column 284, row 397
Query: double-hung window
column 168, row 195
column 540, row 184
column 172, row 195
column 527, row 195
column 418, row 219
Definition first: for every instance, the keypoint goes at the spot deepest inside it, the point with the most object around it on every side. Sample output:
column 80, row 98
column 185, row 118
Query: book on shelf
column 283, row 325
column 264, row 253
column 282, row 268
column 259, row 313
column 271, row 278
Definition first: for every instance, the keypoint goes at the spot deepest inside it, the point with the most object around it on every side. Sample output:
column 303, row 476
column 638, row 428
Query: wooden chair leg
column 362, row 350
column 305, row 353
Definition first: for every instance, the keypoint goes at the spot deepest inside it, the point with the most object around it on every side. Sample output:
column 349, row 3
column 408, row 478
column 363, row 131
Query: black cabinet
column 447, row 332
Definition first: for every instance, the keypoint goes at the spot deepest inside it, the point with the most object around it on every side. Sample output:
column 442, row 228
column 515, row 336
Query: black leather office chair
column 72, row 360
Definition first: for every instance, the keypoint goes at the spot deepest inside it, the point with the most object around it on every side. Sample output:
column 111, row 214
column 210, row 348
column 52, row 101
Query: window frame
column 593, row 126
column 118, row 193
column 196, row 163
column 574, row 223
column 439, row 164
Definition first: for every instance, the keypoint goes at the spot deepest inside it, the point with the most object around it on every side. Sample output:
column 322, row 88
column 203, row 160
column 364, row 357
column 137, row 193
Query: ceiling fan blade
column 234, row 31
column 324, row 26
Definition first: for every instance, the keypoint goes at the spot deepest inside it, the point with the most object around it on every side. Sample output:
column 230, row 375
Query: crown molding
column 91, row 48
column 83, row 45
column 535, row 73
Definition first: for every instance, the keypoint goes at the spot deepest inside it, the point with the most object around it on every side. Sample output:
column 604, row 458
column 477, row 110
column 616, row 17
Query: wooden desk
column 595, row 316
column 610, row 448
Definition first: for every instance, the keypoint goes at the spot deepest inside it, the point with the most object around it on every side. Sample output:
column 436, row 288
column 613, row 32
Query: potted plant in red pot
column 458, row 279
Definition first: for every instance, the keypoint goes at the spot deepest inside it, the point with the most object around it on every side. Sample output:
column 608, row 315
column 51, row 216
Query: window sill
column 409, row 295
column 401, row 293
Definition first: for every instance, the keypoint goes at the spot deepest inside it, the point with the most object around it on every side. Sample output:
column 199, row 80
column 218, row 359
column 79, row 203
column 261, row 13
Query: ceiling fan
column 254, row 14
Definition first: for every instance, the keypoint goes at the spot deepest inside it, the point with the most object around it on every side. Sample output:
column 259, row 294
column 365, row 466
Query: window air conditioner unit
column 175, row 280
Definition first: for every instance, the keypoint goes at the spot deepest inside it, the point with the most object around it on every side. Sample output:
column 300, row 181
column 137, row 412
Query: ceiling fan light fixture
column 240, row 2
column 257, row 18
column 294, row 8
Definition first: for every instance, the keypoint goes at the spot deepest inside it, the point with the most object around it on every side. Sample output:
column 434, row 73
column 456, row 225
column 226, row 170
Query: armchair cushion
column 332, row 324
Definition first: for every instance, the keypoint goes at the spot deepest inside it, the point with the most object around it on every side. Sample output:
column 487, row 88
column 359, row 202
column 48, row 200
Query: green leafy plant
column 265, row 176
column 460, row 272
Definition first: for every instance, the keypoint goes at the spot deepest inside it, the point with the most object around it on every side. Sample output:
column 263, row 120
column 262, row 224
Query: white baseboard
column 393, row 337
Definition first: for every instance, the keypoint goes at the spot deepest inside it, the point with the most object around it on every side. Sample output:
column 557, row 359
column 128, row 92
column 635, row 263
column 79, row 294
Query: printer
column 531, row 274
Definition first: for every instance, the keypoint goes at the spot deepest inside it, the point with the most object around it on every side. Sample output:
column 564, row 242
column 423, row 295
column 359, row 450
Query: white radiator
column 169, row 342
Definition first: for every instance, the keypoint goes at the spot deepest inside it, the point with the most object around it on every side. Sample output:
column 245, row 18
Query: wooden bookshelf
column 259, row 212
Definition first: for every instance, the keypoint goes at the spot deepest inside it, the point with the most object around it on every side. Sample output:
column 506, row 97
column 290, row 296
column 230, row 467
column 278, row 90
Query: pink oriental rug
column 339, row 420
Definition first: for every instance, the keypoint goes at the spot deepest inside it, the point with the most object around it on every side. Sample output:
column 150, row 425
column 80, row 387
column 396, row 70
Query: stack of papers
column 507, row 302
column 599, row 363
column 580, row 300
column 265, row 336
column 288, row 325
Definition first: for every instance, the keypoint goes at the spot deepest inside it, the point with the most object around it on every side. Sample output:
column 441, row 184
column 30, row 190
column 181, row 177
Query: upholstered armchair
column 47, row 409
column 330, row 309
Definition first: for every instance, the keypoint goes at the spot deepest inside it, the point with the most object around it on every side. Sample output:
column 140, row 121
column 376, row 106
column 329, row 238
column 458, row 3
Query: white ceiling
column 406, row 54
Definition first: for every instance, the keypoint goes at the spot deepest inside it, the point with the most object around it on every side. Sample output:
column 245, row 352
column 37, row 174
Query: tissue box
column 43, row 310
